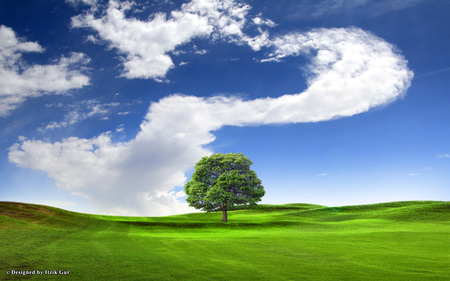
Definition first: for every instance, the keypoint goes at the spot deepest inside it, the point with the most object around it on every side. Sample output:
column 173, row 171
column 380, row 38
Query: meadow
column 388, row 241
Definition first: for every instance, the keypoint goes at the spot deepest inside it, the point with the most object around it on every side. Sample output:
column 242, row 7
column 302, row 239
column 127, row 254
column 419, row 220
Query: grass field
column 389, row 241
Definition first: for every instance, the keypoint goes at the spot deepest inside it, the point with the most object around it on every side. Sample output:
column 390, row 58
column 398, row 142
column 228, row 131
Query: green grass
column 390, row 241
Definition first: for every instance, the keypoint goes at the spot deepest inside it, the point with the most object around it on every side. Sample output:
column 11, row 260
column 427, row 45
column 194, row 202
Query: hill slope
column 398, row 240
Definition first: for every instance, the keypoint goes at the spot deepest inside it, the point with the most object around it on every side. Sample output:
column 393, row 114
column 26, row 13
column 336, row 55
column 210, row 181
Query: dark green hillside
column 388, row 241
column 31, row 215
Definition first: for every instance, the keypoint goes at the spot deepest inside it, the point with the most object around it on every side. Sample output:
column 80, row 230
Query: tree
column 222, row 181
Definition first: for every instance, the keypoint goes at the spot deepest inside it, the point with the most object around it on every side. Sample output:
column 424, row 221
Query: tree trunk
column 224, row 214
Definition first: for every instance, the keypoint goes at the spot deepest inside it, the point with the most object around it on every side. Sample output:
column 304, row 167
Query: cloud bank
column 19, row 81
column 350, row 72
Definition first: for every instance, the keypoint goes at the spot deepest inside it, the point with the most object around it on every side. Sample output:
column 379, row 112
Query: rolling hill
column 388, row 241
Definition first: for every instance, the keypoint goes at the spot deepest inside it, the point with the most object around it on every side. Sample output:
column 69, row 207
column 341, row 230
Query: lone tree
column 222, row 181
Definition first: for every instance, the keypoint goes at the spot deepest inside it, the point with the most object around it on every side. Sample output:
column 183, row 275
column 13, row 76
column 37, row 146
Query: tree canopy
column 221, row 181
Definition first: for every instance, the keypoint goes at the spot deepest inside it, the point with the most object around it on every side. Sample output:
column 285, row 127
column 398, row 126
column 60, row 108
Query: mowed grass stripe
column 390, row 241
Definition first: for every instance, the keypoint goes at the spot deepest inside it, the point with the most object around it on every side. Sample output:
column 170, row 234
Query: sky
column 106, row 106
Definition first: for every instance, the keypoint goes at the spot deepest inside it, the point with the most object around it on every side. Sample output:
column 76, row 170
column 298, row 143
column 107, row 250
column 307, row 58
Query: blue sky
column 106, row 106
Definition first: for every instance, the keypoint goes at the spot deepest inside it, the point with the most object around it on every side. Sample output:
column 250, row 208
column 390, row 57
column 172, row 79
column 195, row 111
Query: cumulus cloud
column 131, row 178
column 350, row 72
column 146, row 45
column 19, row 81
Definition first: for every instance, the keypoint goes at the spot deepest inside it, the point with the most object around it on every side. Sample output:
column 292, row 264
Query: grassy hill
column 389, row 241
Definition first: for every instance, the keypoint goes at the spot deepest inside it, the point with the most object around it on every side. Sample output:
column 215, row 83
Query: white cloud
column 445, row 155
column 146, row 45
column 261, row 21
column 201, row 52
column 93, row 39
column 131, row 178
column 82, row 2
column 19, row 81
column 351, row 72
column 120, row 128
column 413, row 174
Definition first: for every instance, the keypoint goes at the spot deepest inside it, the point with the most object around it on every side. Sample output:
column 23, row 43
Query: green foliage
column 222, row 181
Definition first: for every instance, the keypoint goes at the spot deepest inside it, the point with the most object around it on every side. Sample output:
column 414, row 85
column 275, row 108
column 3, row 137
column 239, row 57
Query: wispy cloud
column 20, row 81
column 323, row 174
column 80, row 111
column 382, row 7
column 120, row 128
column 445, row 155
column 413, row 174
column 370, row 8
column 351, row 72
column 81, row 2
column 432, row 72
